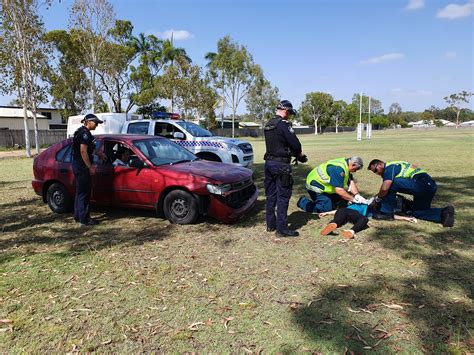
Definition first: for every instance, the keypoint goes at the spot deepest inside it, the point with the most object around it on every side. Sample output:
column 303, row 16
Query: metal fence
column 16, row 138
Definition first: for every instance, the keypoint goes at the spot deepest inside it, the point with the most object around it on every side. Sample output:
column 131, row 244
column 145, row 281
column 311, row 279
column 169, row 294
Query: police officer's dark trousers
column 278, row 189
column 83, row 195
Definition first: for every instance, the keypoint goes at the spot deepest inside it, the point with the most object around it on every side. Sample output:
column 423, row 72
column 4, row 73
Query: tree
column 316, row 106
column 262, row 99
column 337, row 112
column 114, row 73
column 93, row 20
column 23, row 58
column 69, row 84
column 233, row 71
column 455, row 102
column 394, row 113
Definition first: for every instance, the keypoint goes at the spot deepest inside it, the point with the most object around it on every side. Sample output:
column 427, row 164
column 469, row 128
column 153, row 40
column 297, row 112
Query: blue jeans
column 278, row 193
column 423, row 188
column 321, row 202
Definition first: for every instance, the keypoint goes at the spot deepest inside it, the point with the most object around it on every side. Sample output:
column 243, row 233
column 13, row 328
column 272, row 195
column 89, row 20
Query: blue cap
column 286, row 105
column 91, row 117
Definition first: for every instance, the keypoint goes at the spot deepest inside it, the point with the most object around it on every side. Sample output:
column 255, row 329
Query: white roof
column 249, row 124
column 467, row 123
column 17, row 113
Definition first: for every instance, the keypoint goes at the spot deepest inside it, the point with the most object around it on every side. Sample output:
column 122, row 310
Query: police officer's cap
column 286, row 105
column 91, row 117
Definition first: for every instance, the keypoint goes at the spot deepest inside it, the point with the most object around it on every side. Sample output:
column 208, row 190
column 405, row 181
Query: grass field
column 136, row 283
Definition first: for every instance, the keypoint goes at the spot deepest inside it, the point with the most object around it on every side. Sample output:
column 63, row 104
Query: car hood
column 219, row 172
column 222, row 139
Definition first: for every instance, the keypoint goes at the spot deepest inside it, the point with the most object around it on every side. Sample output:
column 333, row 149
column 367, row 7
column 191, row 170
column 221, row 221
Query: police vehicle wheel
column 180, row 207
column 58, row 198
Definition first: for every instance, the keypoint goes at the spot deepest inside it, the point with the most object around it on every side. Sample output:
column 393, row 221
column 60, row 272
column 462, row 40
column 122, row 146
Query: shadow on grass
column 29, row 224
column 437, row 302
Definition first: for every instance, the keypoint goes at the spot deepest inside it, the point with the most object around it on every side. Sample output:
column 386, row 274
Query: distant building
column 467, row 124
column 430, row 123
column 11, row 117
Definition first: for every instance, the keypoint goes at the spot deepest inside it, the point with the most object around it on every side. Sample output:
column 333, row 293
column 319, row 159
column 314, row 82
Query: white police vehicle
column 196, row 139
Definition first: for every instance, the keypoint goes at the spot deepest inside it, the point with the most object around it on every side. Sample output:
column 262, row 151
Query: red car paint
column 146, row 187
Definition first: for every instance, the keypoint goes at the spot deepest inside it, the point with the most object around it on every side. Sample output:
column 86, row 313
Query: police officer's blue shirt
column 82, row 136
column 391, row 171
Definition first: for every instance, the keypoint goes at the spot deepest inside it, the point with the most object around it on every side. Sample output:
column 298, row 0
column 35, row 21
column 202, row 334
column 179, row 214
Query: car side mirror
column 136, row 162
column 178, row 135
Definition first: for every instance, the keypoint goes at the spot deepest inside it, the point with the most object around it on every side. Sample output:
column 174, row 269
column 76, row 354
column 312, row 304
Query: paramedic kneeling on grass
column 400, row 176
column 326, row 185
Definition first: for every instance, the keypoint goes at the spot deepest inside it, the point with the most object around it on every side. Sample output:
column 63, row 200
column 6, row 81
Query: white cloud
column 416, row 93
column 178, row 35
column 455, row 11
column 383, row 58
column 415, row 5
column 450, row 55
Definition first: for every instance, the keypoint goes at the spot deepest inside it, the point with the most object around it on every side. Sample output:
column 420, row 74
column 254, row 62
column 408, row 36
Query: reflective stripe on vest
column 408, row 170
column 320, row 175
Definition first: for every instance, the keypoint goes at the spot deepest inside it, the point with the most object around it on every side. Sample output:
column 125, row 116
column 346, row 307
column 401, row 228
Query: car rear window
column 138, row 128
column 65, row 154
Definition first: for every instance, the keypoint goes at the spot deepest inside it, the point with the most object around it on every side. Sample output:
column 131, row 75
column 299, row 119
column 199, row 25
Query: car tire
column 58, row 198
column 180, row 207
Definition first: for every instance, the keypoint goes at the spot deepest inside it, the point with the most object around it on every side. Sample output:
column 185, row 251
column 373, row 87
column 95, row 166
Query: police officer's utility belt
column 280, row 159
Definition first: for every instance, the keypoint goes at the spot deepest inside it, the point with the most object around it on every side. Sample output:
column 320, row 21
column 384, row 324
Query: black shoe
column 287, row 233
column 383, row 216
column 90, row 222
column 447, row 216
column 270, row 229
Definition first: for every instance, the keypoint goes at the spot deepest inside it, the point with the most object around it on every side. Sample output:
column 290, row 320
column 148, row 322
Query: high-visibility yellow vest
column 408, row 170
column 320, row 175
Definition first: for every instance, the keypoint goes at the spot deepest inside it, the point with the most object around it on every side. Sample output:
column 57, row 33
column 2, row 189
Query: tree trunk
column 337, row 124
column 27, row 133
column 316, row 126
column 35, row 125
column 457, row 118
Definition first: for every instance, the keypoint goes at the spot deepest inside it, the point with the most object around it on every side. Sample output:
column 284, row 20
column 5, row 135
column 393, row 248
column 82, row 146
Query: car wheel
column 58, row 198
column 180, row 207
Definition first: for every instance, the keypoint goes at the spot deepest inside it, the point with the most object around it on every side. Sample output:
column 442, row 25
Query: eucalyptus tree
column 69, row 84
column 233, row 72
column 23, row 58
column 456, row 101
column 338, row 109
column 262, row 99
column 316, row 106
column 114, row 72
column 93, row 20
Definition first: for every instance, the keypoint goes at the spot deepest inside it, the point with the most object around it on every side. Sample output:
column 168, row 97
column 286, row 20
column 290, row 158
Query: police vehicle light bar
column 166, row 115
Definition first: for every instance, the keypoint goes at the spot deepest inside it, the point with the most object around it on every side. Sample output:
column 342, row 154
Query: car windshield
column 163, row 151
column 194, row 129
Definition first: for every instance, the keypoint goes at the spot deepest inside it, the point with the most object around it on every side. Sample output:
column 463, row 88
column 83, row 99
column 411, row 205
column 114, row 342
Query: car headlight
column 232, row 147
column 218, row 189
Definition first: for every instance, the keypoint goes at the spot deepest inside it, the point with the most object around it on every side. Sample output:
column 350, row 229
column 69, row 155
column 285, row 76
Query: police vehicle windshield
column 163, row 151
column 194, row 129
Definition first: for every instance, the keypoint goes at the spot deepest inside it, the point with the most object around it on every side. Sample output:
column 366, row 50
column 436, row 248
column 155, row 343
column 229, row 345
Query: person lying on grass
column 356, row 214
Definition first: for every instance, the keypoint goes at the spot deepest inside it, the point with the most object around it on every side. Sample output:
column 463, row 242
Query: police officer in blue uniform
column 82, row 150
column 404, row 177
column 281, row 144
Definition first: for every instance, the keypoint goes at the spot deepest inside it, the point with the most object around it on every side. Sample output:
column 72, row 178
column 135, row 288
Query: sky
column 413, row 52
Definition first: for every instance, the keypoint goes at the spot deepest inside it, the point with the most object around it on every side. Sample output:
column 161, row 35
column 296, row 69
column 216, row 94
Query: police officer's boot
column 287, row 233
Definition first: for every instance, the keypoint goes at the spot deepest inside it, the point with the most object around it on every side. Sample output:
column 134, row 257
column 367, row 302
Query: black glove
column 302, row 158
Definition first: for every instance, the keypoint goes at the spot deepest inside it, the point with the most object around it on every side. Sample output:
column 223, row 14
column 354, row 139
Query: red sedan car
column 159, row 175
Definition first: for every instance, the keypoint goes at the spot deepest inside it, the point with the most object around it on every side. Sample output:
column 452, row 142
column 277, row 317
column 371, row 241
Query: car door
column 102, row 181
column 133, row 186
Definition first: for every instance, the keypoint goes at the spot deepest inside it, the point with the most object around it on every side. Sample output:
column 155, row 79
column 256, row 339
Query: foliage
column 455, row 102
column 69, row 84
column 262, row 99
column 316, row 106
column 93, row 20
column 232, row 71
column 23, row 58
